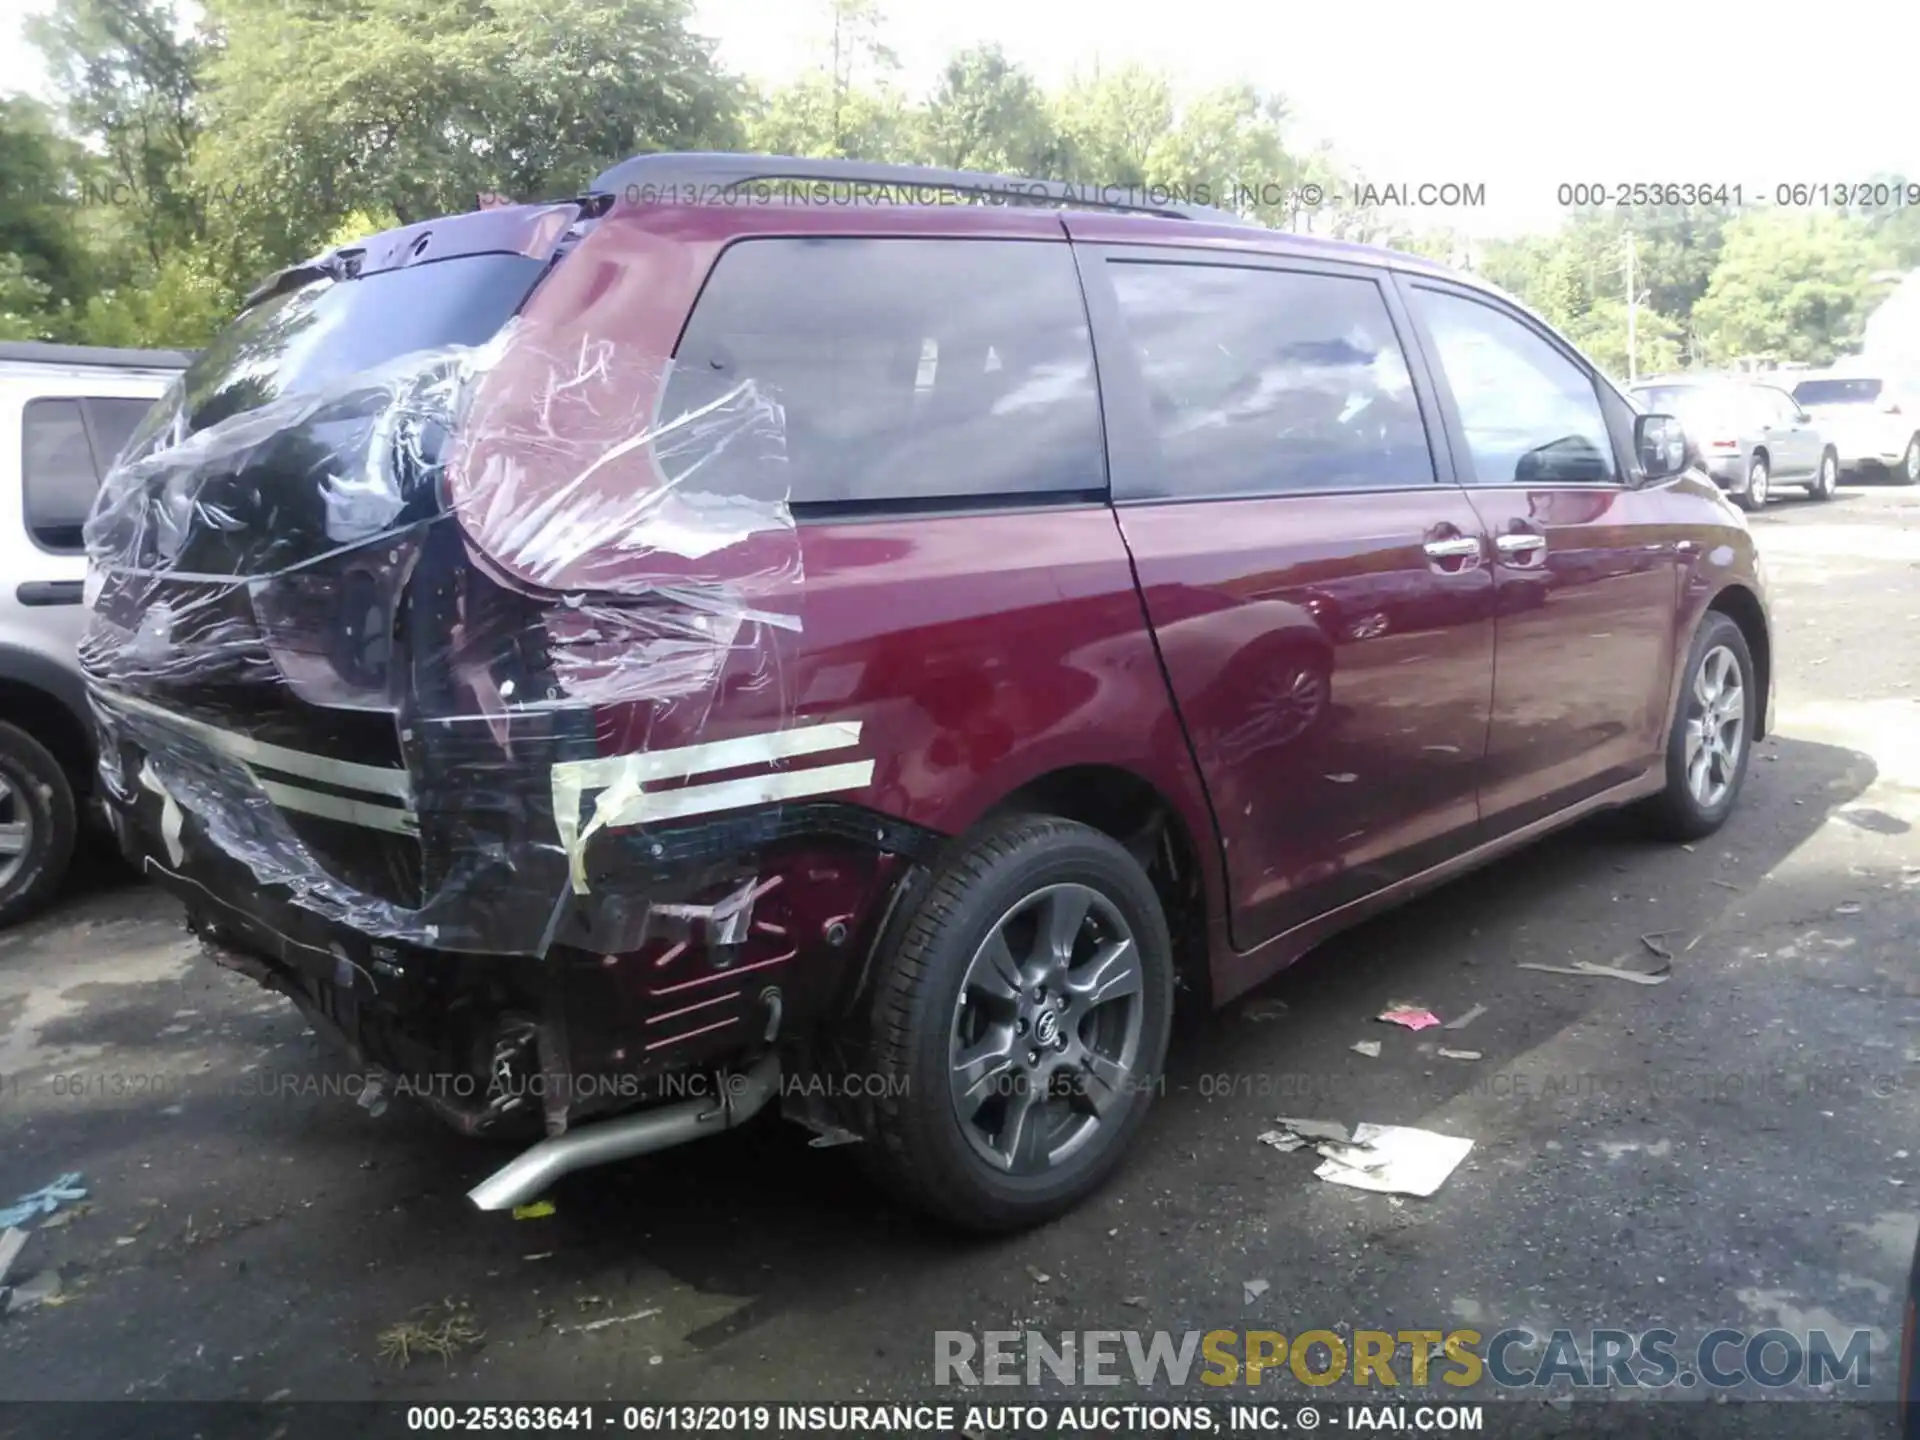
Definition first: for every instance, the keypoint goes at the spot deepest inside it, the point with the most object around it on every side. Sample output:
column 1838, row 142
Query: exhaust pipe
column 528, row 1174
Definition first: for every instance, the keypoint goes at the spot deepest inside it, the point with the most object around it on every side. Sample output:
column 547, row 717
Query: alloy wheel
column 16, row 831
column 1716, row 725
column 1757, row 483
column 1046, row 1037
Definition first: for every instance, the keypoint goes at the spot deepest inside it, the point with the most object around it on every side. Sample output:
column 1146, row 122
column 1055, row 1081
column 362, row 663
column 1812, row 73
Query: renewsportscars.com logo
column 1512, row 1359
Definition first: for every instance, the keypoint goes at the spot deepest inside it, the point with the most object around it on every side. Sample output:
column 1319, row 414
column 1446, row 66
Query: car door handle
column 1522, row 544
column 1454, row 547
column 51, row 592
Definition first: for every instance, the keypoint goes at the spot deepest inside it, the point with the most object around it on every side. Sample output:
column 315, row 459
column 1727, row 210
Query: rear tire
column 1827, row 480
column 37, row 824
column 1019, row 1026
column 1754, row 496
column 1710, row 740
column 1907, row 472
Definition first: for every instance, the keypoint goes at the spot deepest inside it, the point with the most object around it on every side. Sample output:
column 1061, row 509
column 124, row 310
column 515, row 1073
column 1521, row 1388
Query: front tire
column 37, row 824
column 1711, row 738
column 1019, row 1026
column 1827, row 481
column 1754, row 497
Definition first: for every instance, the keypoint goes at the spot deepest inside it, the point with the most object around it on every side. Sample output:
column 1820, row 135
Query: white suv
column 65, row 412
column 1872, row 416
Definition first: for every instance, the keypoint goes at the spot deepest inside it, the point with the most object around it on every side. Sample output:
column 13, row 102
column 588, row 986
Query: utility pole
column 1632, row 305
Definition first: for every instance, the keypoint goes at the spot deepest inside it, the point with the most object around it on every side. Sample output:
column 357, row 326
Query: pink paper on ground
column 1411, row 1019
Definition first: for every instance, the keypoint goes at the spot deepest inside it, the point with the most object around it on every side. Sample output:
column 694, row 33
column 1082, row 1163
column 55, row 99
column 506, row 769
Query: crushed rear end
column 438, row 674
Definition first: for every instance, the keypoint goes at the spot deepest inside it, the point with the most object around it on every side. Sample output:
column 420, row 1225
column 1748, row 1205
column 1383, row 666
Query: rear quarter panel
column 978, row 650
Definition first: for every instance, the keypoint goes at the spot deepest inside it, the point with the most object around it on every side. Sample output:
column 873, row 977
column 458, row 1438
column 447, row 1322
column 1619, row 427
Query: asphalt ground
column 1733, row 1148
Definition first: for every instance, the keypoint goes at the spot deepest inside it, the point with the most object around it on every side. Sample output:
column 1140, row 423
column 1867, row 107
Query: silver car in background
column 1873, row 416
column 65, row 412
column 1751, row 437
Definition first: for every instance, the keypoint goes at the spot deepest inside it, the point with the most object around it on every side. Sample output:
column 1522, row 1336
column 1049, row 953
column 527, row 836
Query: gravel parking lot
column 1734, row 1147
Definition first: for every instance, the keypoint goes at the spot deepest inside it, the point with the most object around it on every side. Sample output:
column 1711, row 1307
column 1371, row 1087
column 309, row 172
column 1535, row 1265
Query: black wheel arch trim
column 64, row 686
column 1739, row 603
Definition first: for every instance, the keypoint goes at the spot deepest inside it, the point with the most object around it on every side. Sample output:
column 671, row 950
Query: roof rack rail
column 698, row 172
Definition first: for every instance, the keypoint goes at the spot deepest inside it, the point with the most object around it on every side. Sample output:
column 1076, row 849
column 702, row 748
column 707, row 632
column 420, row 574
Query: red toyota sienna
column 774, row 631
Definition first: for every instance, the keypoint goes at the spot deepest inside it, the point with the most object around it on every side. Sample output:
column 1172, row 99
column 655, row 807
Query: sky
column 1521, row 97
column 1512, row 96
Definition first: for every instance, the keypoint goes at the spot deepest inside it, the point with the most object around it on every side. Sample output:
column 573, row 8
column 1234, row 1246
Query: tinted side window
column 908, row 369
column 57, row 472
column 1781, row 408
column 1530, row 414
column 1267, row 381
column 113, row 419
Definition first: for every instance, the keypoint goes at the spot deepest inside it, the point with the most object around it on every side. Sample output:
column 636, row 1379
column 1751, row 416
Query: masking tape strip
column 623, row 800
column 376, row 779
column 336, row 807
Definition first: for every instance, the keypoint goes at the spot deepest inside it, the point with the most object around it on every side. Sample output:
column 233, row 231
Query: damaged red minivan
column 769, row 631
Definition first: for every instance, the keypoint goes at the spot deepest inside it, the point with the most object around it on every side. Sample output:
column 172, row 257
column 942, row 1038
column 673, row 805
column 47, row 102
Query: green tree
column 44, row 270
column 179, row 303
column 1601, row 333
column 1792, row 284
column 24, row 311
column 810, row 117
column 1544, row 272
column 1227, row 144
column 1442, row 245
column 988, row 114
column 318, row 108
column 844, row 107
column 1109, row 124
column 129, row 76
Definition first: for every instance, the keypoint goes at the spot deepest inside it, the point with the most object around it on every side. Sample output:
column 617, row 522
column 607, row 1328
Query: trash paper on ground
column 1393, row 1159
column 1413, row 1017
column 1295, row 1134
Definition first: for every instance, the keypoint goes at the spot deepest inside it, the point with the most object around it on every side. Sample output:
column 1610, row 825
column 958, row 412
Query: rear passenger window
column 113, row 419
column 909, row 370
column 57, row 472
column 1530, row 414
column 1268, row 381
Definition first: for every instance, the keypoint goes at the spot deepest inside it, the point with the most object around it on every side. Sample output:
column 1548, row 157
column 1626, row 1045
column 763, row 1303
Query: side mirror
column 1660, row 445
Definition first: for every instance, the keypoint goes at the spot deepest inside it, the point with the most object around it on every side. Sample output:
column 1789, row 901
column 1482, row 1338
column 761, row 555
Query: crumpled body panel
column 300, row 651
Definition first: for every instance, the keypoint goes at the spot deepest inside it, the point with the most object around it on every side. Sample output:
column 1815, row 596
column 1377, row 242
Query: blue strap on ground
column 44, row 1201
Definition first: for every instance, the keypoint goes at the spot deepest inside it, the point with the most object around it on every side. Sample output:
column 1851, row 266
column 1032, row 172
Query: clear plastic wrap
column 402, row 648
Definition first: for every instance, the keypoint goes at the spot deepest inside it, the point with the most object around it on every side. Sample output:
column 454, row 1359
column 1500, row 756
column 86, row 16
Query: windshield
column 316, row 335
column 1694, row 405
column 1852, row 391
column 1666, row 399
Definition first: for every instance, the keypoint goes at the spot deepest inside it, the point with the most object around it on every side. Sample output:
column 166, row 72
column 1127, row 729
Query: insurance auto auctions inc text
column 1380, row 1360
